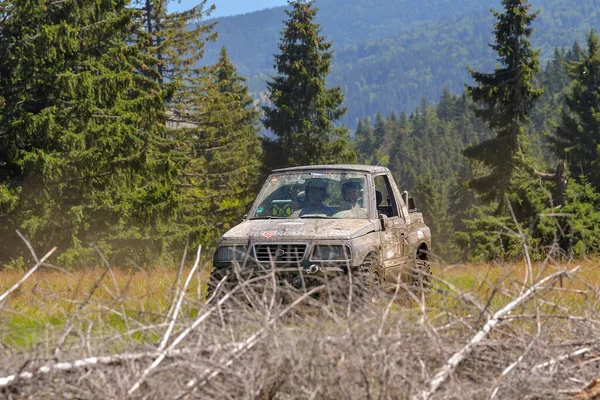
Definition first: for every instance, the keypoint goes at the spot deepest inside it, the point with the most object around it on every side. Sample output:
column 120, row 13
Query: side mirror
column 411, row 204
column 244, row 217
column 385, row 221
column 405, row 197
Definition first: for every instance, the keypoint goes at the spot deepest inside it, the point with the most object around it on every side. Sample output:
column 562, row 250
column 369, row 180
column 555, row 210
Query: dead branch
column 186, row 332
column 513, row 365
column 556, row 360
column 27, row 275
column 449, row 367
column 163, row 343
column 94, row 361
column 253, row 339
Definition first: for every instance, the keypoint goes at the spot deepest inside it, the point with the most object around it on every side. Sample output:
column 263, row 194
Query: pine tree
column 221, row 177
column 212, row 121
column 379, row 130
column 364, row 141
column 507, row 96
column 303, row 109
column 398, row 147
column 81, row 118
column 577, row 138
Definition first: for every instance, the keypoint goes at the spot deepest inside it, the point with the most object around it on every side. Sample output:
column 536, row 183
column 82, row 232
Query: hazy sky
column 228, row 7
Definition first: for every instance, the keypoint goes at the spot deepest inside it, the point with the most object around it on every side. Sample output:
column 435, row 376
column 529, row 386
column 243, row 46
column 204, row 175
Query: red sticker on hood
column 268, row 234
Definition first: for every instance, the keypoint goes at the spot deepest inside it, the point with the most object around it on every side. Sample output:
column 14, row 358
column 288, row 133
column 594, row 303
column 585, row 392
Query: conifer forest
column 117, row 133
column 132, row 138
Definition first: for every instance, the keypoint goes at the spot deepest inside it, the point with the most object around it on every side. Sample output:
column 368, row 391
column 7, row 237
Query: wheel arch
column 422, row 252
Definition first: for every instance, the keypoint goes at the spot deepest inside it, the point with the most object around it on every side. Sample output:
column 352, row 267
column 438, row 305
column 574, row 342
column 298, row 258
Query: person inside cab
column 315, row 193
column 351, row 194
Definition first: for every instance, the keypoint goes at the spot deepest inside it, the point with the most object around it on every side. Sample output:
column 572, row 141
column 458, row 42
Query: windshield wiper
column 314, row 216
column 269, row 217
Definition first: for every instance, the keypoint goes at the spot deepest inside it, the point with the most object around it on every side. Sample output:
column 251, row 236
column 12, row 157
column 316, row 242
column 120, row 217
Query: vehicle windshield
column 313, row 194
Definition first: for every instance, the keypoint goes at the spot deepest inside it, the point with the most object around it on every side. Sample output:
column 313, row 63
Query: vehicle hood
column 300, row 229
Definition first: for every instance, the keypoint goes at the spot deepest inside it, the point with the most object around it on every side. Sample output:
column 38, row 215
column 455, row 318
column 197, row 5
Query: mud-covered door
column 393, row 239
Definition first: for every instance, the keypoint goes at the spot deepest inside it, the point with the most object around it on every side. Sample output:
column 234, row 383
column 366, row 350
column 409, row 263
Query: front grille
column 279, row 253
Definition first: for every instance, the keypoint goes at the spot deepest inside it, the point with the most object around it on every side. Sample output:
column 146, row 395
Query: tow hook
column 313, row 269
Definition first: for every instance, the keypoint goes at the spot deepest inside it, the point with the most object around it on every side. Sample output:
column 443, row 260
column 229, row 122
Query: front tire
column 369, row 276
column 420, row 274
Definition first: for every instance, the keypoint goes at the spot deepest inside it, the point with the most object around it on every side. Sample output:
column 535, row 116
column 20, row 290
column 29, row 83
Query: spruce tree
column 379, row 130
column 364, row 141
column 81, row 117
column 303, row 110
column 506, row 98
column 577, row 137
column 221, row 177
column 211, row 121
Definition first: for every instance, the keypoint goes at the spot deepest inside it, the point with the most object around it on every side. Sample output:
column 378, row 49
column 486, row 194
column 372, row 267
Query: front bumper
column 295, row 276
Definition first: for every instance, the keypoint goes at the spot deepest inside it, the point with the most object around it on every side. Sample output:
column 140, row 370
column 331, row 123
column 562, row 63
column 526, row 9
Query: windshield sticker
column 260, row 209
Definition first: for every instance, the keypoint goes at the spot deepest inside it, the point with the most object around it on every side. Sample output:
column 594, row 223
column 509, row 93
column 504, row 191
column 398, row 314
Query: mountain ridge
column 387, row 60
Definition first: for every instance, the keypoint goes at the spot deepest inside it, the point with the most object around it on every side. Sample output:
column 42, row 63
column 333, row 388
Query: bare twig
column 556, row 360
column 178, row 277
column 187, row 331
column 449, row 367
column 27, row 275
column 253, row 339
column 514, row 364
column 163, row 343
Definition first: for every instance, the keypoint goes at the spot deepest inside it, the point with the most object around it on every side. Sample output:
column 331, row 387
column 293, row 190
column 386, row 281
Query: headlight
column 331, row 253
column 231, row 253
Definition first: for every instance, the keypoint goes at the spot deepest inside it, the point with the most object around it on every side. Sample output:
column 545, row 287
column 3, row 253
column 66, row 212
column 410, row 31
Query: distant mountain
column 390, row 54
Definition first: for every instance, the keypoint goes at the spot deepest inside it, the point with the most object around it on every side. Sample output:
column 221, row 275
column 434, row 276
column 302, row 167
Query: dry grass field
column 506, row 331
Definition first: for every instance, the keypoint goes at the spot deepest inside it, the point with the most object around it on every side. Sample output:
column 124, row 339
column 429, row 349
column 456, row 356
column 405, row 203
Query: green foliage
column 424, row 151
column 303, row 110
column 80, row 124
column 575, row 228
column 433, row 201
column 364, row 141
column 391, row 53
column 505, row 99
column 221, row 140
column 577, row 138
column 212, row 123
column 488, row 237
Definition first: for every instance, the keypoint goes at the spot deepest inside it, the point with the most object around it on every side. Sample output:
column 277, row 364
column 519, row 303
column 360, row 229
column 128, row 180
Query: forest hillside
column 389, row 54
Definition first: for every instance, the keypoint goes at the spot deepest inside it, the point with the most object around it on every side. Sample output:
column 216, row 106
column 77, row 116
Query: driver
column 351, row 193
column 316, row 192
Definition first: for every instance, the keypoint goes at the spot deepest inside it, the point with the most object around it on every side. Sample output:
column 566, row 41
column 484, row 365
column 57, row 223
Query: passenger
column 351, row 193
column 316, row 192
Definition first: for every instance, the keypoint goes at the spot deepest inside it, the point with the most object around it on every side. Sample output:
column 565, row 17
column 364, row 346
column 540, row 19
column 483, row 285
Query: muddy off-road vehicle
column 320, row 220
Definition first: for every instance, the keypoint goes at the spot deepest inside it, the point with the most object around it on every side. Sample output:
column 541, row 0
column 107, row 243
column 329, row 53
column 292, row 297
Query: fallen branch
column 246, row 345
column 69, row 366
column 163, row 343
column 556, row 360
column 450, row 365
column 194, row 325
column 514, row 364
column 27, row 275
column 93, row 361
